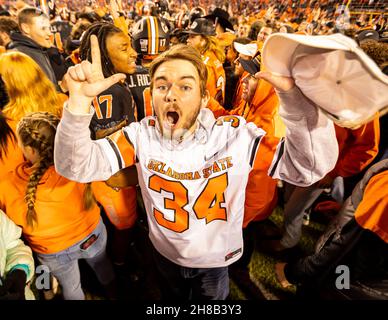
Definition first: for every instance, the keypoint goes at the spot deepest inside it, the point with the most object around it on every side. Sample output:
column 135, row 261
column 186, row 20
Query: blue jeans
column 183, row 283
column 64, row 264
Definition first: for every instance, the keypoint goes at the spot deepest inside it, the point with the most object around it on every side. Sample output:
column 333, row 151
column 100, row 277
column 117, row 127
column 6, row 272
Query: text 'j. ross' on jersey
column 194, row 191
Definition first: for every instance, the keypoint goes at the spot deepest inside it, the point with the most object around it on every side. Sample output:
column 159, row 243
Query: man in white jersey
column 192, row 168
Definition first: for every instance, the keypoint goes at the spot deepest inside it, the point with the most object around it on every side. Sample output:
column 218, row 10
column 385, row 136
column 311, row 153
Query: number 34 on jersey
column 208, row 205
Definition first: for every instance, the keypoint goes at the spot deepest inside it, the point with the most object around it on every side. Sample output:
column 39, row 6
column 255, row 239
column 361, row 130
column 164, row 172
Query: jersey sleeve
column 119, row 149
column 268, row 150
column 310, row 149
column 79, row 158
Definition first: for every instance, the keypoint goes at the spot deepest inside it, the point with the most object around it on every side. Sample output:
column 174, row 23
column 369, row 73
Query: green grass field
column 261, row 267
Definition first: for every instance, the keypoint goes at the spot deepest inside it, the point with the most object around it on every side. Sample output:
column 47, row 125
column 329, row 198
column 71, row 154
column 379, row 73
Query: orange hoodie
column 357, row 148
column 61, row 218
column 263, row 107
column 215, row 78
column 372, row 212
column 258, row 204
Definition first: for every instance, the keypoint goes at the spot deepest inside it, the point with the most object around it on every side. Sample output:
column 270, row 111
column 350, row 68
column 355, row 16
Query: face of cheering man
column 177, row 98
column 264, row 33
column 121, row 53
column 38, row 29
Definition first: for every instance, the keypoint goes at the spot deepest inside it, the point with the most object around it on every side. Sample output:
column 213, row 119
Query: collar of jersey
column 205, row 122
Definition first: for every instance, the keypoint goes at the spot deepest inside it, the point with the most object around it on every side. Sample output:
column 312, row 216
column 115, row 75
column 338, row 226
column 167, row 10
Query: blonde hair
column 27, row 86
column 181, row 52
column 212, row 44
column 37, row 130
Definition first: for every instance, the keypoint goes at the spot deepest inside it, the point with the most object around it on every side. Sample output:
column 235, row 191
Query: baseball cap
column 248, row 49
column 333, row 72
column 251, row 66
column 368, row 34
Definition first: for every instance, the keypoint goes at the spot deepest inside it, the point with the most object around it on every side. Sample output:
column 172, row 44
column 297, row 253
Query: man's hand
column 114, row 8
column 280, row 83
column 86, row 80
column 126, row 177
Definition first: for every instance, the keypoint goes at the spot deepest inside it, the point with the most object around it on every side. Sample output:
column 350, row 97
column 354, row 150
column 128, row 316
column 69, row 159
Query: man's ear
column 25, row 28
column 205, row 99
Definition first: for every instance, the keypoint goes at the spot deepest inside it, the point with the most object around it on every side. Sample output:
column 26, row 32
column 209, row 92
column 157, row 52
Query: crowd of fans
column 63, row 221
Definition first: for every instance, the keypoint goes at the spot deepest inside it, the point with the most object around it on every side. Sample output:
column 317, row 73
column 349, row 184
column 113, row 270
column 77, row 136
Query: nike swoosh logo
column 208, row 158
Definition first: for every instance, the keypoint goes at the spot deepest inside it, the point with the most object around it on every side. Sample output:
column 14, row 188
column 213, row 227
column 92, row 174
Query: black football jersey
column 114, row 108
column 139, row 83
column 61, row 31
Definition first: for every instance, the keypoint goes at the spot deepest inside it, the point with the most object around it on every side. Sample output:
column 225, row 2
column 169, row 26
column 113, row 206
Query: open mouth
column 172, row 117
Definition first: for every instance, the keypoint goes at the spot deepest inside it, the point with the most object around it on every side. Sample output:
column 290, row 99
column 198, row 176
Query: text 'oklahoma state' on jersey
column 194, row 191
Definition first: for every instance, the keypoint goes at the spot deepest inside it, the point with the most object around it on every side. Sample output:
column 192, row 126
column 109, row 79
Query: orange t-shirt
column 61, row 219
column 372, row 212
column 215, row 78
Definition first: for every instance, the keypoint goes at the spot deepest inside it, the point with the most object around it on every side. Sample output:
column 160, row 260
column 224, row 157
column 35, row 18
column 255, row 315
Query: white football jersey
column 194, row 191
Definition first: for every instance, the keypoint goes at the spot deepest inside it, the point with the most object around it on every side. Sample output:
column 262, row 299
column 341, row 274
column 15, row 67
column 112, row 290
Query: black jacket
column 28, row 46
column 345, row 242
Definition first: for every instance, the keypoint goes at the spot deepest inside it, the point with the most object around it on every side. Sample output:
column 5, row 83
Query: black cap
column 251, row 66
column 203, row 27
column 222, row 18
column 369, row 34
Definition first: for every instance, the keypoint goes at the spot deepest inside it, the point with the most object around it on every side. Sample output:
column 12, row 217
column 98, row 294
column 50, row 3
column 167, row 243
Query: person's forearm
column 76, row 156
column 310, row 150
column 79, row 105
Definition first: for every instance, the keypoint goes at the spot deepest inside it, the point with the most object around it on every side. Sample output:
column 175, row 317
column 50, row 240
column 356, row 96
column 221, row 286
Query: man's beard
column 179, row 134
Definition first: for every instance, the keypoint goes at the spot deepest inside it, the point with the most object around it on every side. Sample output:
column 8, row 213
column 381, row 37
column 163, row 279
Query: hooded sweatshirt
column 29, row 47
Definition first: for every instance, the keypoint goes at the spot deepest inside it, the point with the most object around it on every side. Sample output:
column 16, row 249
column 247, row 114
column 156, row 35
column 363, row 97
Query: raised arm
column 310, row 149
column 76, row 156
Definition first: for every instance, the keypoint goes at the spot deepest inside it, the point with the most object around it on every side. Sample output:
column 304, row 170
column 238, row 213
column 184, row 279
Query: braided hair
column 37, row 130
column 102, row 31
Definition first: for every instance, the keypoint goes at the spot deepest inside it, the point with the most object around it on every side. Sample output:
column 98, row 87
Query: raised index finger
column 96, row 55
